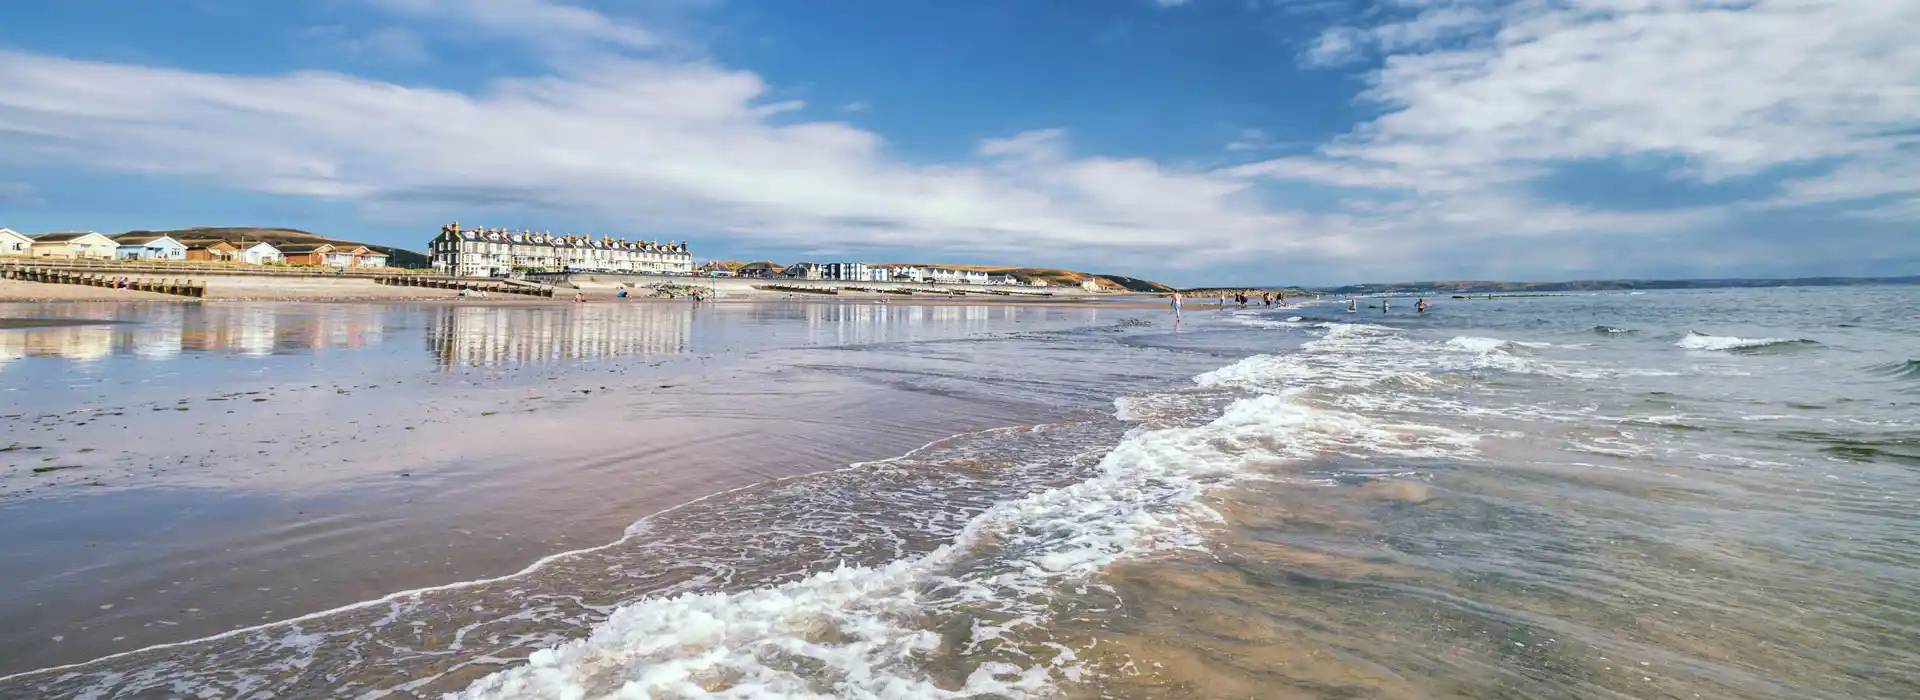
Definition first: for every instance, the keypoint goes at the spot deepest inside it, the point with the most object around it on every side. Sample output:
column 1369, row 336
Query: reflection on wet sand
column 865, row 323
column 475, row 336
column 165, row 332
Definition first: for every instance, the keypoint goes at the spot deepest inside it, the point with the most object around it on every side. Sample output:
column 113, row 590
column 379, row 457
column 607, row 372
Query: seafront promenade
column 58, row 280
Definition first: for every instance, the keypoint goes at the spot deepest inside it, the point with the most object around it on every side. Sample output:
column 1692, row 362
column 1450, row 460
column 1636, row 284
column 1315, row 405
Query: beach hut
column 148, row 246
column 258, row 253
column 73, row 245
column 14, row 243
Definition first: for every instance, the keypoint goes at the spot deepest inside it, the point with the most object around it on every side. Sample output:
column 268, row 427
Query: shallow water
column 1670, row 494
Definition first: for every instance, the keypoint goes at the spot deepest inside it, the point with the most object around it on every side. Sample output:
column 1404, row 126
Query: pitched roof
column 63, row 236
column 303, row 248
column 199, row 243
column 142, row 238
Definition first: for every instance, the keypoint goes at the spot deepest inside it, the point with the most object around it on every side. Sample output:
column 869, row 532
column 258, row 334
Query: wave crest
column 1727, row 343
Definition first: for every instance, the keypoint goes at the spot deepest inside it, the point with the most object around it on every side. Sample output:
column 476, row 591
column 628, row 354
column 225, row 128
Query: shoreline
column 171, row 529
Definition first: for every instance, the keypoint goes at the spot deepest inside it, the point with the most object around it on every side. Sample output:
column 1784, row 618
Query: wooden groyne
column 45, row 275
column 462, row 285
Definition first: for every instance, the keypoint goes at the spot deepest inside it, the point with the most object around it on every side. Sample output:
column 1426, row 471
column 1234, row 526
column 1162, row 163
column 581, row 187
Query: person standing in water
column 1421, row 305
column 1353, row 304
column 1384, row 304
column 1176, row 306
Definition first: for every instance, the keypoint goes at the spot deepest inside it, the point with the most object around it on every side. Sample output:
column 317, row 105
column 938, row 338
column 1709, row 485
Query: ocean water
column 1709, row 494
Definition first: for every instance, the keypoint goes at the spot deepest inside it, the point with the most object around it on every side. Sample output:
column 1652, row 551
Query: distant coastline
column 1486, row 287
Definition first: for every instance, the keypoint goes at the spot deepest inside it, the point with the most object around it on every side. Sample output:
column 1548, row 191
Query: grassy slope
column 396, row 257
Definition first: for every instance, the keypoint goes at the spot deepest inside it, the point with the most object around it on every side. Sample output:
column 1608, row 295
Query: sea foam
column 862, row 631
column 1701, row 341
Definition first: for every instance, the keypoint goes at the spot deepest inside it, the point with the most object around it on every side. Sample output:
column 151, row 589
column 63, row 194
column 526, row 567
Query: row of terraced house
column 491, row 252
column 88, row 245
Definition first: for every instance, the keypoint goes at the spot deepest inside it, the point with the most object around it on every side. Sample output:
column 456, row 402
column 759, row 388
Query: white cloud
column 681, row 146
column 1732, row 89
column 542, row 22
column 1336, row 46
column 1478, row 100
column 856, row 106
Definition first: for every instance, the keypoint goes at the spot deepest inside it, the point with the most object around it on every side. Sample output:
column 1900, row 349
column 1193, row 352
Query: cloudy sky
column 1193, row 141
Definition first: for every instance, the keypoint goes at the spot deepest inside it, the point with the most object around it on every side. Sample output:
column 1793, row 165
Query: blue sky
column 1199, row 142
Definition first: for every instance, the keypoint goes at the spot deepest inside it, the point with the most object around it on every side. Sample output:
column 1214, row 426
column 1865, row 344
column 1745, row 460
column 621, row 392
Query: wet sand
column 232, row 491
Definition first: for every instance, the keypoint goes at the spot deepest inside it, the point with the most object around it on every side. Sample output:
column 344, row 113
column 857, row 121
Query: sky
column 1188, row 141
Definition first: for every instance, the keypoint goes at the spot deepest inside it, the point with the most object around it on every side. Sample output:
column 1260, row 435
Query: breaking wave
column 1722, row 343
column 984, row 599
column 1909, row 369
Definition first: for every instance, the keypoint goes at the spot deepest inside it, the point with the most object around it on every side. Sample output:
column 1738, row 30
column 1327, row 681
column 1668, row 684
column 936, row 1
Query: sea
column 1662, row 494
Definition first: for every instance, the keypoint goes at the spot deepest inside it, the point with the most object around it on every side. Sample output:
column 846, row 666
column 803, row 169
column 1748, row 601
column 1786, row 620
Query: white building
column 147, row 246
column 856, row 272
column 496, row 252
column 73, row 245
column 14, row 243
column 260, row 253
column 947, row 275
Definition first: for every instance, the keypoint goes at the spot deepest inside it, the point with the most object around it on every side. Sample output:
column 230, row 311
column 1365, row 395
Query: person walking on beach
column 580, row 297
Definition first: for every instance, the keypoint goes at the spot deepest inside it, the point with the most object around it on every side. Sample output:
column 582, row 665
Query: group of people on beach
column 1242, row 298
column 1247, row 297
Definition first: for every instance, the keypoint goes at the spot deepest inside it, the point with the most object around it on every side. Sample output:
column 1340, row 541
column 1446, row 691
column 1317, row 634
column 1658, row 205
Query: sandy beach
column 223, row 465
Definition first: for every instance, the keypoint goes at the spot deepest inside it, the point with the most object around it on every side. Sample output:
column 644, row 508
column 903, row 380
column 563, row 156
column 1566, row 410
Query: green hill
column 396, row 257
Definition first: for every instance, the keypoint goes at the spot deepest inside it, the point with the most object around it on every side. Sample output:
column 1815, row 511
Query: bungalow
column 14, row 243
column 373, row 258
column 343, row 257
column 73, row 245
column 148, row 246
column 257, row 253
column 306, row 253
column 210, row 249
